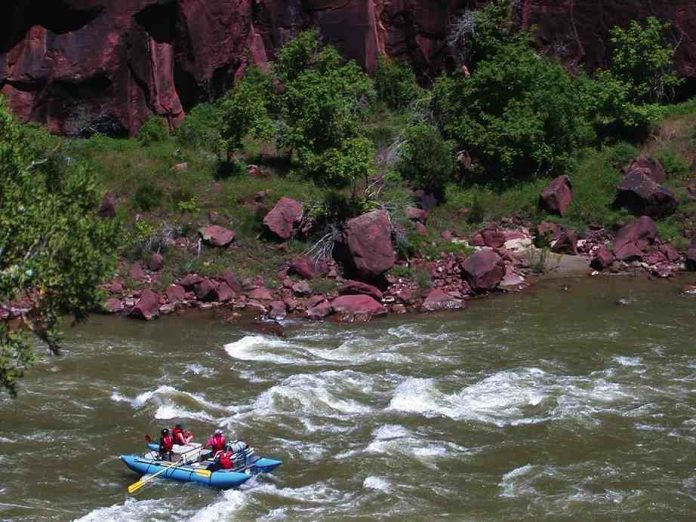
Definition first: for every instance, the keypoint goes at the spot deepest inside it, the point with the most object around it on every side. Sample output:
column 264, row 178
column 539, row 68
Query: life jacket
column 179, row 437
column 225, row 460
column 218, row 443
column 166, row 443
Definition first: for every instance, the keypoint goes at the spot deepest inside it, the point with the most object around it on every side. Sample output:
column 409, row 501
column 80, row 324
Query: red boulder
column 147, row 306
column 283, row 219
column 367, row 242
column 557, row 196
column 350, row 287
column 602, row 258
column 493, row 237
column 206, row 291
column 307, row 268
column 648, row 166
column 175, row 293
column 352, row 308
column 217, row 236
column 155, row 262
column 277, row 310
column 640, row 195
column 632, row 240
column 484, row 270
column 438, row 299
column 113, row 305
column 567, row 243
column 319, row 310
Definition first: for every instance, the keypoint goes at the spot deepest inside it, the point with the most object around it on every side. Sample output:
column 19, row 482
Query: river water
column 574, row 401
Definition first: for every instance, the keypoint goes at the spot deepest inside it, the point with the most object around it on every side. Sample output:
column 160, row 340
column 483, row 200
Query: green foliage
column 154, row 130
column 623, row 99
column 396, row 84
column 674, row 165
column 518, row 114
column 481, row 34
column 202, row 127
column 148, row 196
column 320, row 106
column 426, row 159
column 245, row 110
column 343, row 166
column 54, row 251
column 189, row 205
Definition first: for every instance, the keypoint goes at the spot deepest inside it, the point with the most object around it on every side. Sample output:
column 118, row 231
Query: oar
column 147, row 478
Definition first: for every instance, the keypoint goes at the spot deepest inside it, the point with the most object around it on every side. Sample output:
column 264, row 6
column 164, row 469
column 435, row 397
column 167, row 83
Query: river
column 576, row 400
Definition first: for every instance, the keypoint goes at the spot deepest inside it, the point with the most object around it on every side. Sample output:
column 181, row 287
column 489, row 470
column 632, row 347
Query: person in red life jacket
column 166, row 444
column 222, row 459
column 181, row 436
column 216, row 442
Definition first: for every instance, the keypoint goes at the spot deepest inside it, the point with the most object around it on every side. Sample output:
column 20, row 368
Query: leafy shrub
column 395, row 84
column 245, row 110
column 201, row 127
column 478, row 35
column 148, row 196
column 153, row 130
column 427, row 160
column 340, row 167
column 623, row 99
column 518, row 114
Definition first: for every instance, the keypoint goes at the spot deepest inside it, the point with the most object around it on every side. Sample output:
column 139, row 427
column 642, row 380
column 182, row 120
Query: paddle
column 147, row 478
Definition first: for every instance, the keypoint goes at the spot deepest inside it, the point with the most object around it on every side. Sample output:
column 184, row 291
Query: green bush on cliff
column 245, row 111
column 396, row 84
column 623, row 99
column 518, row 114
column 426, row 159
column 153, row 130
column 54, row 250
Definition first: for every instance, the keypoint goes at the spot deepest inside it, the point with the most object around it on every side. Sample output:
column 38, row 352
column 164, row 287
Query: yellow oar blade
column 137, row 485
column 204, row 472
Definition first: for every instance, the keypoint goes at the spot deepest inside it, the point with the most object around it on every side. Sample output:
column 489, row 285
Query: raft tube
column 221, row 479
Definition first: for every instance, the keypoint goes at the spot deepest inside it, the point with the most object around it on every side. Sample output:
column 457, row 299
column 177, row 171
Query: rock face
column 82, row 65
column 350, row 287
column 367, row 245
column 640, row 195
column 282, row 221
column 557, row 196
column 217, row 236
column 484, row 270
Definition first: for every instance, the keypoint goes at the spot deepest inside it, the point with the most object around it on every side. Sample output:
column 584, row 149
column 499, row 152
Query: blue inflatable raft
column 246, row 464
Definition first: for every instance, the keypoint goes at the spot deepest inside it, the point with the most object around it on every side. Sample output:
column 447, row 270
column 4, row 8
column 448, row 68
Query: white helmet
column 218, row 431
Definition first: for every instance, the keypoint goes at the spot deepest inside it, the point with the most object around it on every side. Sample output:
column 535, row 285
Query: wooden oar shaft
column 144, row 480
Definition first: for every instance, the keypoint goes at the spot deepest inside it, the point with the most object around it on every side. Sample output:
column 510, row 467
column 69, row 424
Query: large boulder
column 282, row 221
column 633, row 239
column 175, row 293
column 438, row 300
column 350, row 308
column 557, row 196
column 567, row 243
column 217, row 236
column 648, row 166
column 147, row 307
column 307, row 268
column 640, row 195
column 319, row 310
column 156, row 262
column 602, row 258
column 350, row 287
column 484, row 270
column 206, row 291
column 367, row 245
column 691, row 255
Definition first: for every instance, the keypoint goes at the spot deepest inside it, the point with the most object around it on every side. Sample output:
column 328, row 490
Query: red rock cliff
column 108, row 63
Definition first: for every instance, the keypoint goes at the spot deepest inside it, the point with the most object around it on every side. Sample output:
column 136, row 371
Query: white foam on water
column 229, row 505
column 319, row 394
column 199, row 369
column 131, row 510
column 518, row 396
column 168, row 411
column 518, row 482
column 628, row 361
column 377, row 483
column 261, row 348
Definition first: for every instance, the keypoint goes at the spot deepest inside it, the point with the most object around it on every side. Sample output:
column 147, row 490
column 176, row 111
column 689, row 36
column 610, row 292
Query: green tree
column 396, row 84
column 426, row 159
column 319, row 107
column 518, row 114
column 54, row 251
column 622, row 100
column 245, row 111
